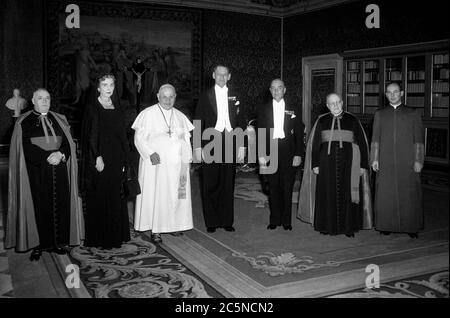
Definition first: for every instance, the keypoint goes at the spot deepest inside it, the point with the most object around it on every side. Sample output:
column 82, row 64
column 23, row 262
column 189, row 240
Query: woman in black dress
column 104, row 154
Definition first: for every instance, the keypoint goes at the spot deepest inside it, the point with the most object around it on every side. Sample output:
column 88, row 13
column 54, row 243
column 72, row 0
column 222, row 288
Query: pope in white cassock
column 162, row 137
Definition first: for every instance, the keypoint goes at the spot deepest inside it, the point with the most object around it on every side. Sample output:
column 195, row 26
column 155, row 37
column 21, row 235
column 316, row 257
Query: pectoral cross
column 169, row 132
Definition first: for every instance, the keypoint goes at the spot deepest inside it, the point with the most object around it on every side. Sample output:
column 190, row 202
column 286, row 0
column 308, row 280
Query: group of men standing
column 335, row 194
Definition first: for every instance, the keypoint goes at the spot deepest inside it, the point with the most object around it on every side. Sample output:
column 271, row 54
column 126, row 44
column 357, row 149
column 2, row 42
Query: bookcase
column 423, row 71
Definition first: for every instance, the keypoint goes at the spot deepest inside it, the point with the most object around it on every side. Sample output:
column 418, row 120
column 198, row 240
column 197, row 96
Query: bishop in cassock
column 162, row 138
column 335, row 193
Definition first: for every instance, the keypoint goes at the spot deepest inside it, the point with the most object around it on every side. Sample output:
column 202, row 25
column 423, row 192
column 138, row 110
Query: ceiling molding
column 273, row 8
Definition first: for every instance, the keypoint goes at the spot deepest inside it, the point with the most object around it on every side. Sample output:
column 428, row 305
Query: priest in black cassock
column 44, row 209
column 397, row 155
column 335, row 192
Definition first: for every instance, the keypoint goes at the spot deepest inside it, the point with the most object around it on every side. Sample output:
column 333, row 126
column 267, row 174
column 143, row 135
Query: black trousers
column 218, row 194
column 281, row 184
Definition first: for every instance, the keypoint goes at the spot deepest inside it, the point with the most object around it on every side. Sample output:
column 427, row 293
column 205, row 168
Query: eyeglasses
column 393, row 93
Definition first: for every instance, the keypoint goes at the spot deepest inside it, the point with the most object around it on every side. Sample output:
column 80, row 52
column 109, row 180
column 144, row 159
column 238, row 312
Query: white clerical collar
column 217, row 87
column 395, row 106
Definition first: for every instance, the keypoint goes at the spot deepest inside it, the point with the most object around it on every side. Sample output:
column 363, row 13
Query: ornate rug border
column 222, row 275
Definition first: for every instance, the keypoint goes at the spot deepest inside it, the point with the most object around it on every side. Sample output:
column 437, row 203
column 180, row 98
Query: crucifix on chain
column 169, row 125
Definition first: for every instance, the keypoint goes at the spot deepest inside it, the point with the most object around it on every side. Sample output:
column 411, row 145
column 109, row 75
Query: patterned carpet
column 425, row 286
column 6, row 289
column 139, row 269
column 255, row 262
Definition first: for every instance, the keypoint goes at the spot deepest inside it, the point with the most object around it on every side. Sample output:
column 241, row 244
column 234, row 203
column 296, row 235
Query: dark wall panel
column 22, row 54
column 250, row 46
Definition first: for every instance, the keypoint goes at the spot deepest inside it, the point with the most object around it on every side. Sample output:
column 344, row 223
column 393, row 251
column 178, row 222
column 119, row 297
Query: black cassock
column 49, row 184
column 335, row 213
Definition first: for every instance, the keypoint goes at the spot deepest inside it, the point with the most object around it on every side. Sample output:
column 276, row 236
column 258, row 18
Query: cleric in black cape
column 335, row 193
column 44, row 209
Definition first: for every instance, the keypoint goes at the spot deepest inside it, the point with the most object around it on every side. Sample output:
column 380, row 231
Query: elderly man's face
column 166, row 98
column 394, row 94
column 278, row 90
column 16, row 92
column 334, row 104
column 41, row 101
column 221, row 76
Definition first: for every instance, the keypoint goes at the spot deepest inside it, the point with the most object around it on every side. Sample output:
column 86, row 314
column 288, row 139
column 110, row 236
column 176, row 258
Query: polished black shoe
column 211, row 229
column 385, row 233
column 229, row 228
column 287, row 227
column 156, row 237
column 350, row 235
column 177, row 234
column 35, row 254
column 271, row 227
column 413, row 235
column 59, row 251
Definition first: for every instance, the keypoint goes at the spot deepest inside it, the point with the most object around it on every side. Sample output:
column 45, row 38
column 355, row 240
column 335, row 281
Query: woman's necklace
column 170, row 120
column 106, row 103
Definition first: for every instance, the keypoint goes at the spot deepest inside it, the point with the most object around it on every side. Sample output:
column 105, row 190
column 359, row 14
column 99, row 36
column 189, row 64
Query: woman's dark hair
column 103, row 77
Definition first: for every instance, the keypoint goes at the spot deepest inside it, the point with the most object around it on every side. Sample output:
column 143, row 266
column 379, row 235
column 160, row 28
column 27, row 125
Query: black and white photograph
column 236, row 152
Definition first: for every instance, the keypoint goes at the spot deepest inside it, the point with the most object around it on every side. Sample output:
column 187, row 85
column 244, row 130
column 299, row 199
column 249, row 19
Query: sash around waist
column 42, row 143
column 337, row 135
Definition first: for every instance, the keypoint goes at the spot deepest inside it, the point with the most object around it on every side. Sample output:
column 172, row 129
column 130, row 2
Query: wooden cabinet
column 422, row 69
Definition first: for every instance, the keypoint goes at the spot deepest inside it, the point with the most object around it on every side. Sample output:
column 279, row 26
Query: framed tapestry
column 115, row 37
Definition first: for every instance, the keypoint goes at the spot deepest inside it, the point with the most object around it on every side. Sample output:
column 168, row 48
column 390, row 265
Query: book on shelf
column 353, row 88
column 416, row 88
column 354, row 109
column 440, row 87
column 416, row 75
column 440, row 112
column 443, row 73
column 353, row 77
column 372, row 88
column 371, row 65
column 371, row 77
column 353, row 100
column 370, row 109
column 415, row 101
column 394, row 76
column 371, row 101
column 440, row 101
column 440, row 58
column 353, row 65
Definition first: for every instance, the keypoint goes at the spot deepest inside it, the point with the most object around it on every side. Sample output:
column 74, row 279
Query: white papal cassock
column 158, row 207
